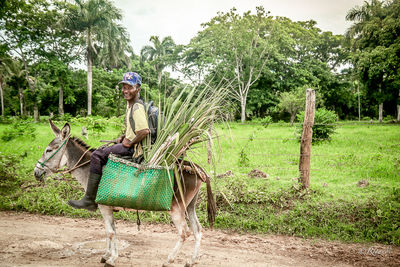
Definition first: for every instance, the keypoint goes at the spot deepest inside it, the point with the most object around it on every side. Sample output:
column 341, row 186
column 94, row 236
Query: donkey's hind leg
column 177, row 213
column 196, row 228
column 111, row 238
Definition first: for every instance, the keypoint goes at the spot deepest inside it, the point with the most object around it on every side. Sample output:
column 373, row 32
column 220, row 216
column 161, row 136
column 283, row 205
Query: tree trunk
column 89, row 72
column 1, row 97
column 359, row 103
column 398, row 109
column 380, row 112
column 398, row 112
column 21, row 101
column 117, row 97
column 35, row 112
column 292, row 117
column 159, row 77
column 243, row 109
column 89, row 85
column 61, row 101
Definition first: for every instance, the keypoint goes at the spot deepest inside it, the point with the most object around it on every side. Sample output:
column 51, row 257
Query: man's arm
column 140, row 135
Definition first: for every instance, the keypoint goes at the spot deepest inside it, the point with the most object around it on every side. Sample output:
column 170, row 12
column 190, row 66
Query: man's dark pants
column 99, row 156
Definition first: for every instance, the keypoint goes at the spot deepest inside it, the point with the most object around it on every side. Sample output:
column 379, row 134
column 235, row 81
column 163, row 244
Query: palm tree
column 93, row 18
column 364, row 18
column 115, row 45
column 159, row 53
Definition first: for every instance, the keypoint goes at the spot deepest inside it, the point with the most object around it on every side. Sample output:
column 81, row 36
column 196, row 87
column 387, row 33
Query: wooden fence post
column 306, row 139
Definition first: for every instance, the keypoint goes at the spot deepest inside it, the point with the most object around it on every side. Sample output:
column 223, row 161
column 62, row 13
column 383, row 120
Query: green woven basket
column 130, row 185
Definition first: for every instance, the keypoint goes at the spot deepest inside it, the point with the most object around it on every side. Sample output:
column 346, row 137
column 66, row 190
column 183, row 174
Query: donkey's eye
column 49, row 150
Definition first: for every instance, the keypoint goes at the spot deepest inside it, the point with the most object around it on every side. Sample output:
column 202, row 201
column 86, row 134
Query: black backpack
column 152, row 119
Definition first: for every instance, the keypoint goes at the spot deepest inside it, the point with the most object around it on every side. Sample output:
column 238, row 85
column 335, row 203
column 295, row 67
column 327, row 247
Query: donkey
column 72, row 152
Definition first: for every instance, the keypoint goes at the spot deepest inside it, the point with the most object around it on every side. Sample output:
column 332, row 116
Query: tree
column 374, row 40
column 97, row 20
column 16, row 71
column 240, row 47
column 3, row 76
column 115, row 45
column 32, row 33
column 292, row 102
column 55, row 73
column 159, row 54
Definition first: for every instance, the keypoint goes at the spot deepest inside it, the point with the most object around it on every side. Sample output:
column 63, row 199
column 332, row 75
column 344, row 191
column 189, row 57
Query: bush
column 18, row 129
column 8, row 171
column 324, row 124
column 263, row 121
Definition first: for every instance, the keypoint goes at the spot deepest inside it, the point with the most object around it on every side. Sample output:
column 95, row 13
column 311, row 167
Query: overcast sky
column 182, row 19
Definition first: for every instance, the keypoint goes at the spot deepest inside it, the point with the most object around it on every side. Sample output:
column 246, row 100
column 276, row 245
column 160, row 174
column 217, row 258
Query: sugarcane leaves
column 187, row 119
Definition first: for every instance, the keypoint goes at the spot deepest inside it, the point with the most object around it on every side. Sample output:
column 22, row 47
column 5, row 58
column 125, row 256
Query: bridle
column 43, row 164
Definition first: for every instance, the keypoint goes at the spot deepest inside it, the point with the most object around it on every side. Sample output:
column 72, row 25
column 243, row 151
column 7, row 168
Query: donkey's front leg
column 111, row 254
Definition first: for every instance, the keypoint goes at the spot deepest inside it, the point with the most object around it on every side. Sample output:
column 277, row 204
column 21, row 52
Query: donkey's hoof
column 189, row 264
column 108, row 265
column 103, row 260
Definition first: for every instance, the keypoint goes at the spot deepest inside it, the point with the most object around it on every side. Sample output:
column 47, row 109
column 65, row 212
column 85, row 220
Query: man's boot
column 87, row 202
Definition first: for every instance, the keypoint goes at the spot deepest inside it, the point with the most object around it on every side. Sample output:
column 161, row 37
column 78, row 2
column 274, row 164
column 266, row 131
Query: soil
column 38, row 240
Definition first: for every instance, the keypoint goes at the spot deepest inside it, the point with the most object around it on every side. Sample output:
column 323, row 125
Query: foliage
column 9, row 179
column 239, row 48
column 18, row 129
column 243, row 158
column 160, row 54
column 292, row 102
column 263, row 121
column 187, row 121
column 374, row 41
column 324, row 124
column 105, row 41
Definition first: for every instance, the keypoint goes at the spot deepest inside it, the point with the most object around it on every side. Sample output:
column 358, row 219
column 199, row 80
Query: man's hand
column 120, row 139
column 140, row 135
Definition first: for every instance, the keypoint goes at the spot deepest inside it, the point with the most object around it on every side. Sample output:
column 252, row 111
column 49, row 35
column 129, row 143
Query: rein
column 76, row 166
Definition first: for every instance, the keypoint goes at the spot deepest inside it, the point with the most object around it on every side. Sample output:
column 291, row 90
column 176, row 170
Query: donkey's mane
column 82, row 143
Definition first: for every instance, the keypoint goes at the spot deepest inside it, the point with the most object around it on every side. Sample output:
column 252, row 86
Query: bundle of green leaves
column 185, row 120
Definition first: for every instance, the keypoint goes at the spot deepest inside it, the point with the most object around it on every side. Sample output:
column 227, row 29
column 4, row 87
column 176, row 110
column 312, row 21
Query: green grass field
column 335, row 207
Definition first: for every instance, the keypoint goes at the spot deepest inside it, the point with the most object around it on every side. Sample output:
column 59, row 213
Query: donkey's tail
column 211, row 206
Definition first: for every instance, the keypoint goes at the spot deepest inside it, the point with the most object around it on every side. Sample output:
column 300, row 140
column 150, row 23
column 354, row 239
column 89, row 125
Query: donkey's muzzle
column 39, row 174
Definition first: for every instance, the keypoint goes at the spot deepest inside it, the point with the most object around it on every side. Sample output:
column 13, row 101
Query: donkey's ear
column 65, row 131
column 56, row 131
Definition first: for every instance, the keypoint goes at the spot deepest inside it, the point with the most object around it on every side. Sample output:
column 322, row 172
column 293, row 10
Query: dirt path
column 36, row 240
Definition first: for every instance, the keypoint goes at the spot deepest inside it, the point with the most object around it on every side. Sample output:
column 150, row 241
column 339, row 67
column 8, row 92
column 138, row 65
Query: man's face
column 129, row 92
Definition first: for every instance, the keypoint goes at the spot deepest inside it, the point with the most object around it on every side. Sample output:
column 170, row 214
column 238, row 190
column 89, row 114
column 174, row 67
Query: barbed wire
column 275, row 138
column 294, row 169
column 316, row 155
column 327, row 124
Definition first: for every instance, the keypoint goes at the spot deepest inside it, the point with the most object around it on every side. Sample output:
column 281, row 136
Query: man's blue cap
column 131, row 78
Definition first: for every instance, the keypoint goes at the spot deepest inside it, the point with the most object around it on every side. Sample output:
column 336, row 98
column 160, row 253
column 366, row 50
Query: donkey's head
column 52, row 157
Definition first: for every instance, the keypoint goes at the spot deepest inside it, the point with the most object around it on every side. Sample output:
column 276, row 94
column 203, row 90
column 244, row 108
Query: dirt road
column 36, row 240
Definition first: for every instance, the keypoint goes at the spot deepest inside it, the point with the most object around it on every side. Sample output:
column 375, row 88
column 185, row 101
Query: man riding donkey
column 128, row 144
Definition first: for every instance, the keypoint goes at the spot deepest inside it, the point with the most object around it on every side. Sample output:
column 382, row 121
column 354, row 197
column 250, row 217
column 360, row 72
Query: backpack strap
column 131, row 121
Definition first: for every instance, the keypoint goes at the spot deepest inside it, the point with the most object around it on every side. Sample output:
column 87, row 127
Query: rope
column 52, row 155
column 76, row 166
